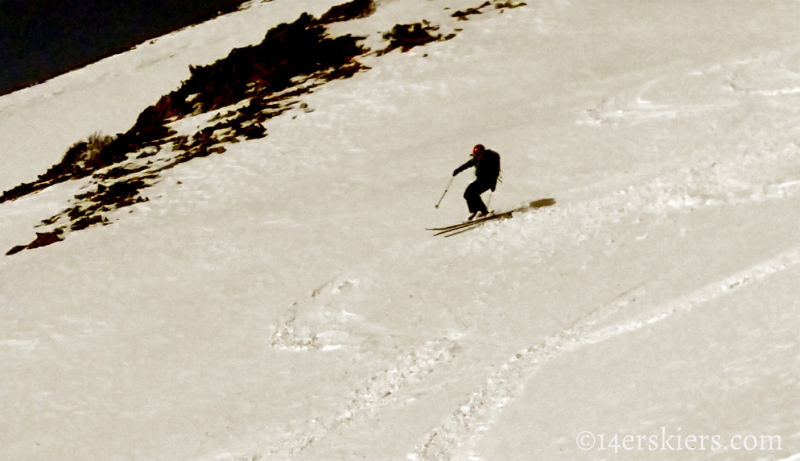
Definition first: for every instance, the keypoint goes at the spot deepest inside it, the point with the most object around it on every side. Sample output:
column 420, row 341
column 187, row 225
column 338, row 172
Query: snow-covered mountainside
column 241, row 270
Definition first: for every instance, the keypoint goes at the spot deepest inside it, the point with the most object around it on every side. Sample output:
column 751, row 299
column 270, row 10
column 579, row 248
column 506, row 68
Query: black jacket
column 487, row 169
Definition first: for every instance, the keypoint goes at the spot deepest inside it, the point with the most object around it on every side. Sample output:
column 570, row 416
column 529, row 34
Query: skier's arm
column 463, row 167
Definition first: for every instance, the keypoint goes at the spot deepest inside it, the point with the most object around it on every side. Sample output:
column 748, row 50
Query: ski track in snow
column 454, row 437
column 318, row 328
column 713, row 88
column 753, row 174
column 380, row 389
column 314, row 326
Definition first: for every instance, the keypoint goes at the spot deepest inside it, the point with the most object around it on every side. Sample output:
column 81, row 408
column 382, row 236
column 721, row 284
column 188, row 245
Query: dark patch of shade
column 40, row 39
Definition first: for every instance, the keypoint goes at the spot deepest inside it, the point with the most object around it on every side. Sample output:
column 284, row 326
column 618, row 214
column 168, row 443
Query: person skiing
column 487, row 170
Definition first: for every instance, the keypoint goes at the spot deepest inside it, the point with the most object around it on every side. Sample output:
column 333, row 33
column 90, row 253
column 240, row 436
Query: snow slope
column 283, row 301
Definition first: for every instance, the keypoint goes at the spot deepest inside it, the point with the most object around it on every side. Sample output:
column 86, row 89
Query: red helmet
column 478, row 150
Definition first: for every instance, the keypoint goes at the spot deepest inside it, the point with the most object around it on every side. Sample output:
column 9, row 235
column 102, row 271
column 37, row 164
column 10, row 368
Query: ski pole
column 445, row 191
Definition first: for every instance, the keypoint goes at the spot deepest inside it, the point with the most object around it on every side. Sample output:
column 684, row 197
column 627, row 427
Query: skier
column 487, row 170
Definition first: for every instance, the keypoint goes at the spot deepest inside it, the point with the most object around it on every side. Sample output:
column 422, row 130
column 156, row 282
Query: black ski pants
column 473, row 195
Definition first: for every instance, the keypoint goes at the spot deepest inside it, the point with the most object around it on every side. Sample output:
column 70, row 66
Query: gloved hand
column 455, row 172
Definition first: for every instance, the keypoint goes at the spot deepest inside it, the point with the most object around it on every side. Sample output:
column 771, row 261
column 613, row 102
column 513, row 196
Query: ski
column 461, row 231
column 455, row 229
column 466, row 223
column 473, row 224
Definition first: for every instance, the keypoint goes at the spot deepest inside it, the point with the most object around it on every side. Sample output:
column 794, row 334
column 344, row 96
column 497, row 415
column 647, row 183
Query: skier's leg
column 469, row 196
column 473, row 196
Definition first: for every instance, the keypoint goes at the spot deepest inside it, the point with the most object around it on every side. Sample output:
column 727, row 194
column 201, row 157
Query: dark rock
column 253, row 131
column 45, row 238
column 15, row 250
column 462, row 15
column 347, row 11
column 509, row 4
column 85, row 222
column 407, row 36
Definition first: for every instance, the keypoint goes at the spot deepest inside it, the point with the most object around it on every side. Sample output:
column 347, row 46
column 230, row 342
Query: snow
column 283, row 301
